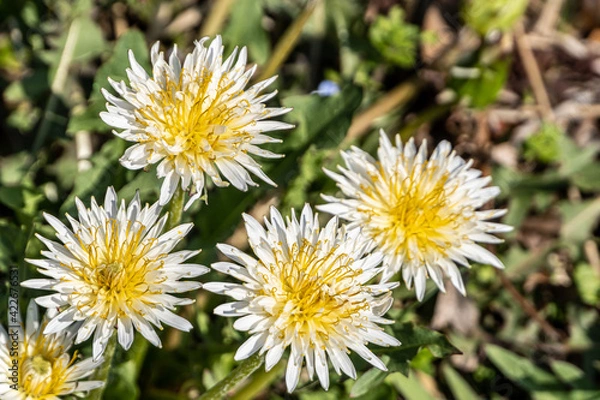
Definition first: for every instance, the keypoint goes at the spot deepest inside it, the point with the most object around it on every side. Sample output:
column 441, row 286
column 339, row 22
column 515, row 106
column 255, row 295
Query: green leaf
column 14, row 168
column 588, row 283
column 521, row 371
column 571, row 375
column 322, row 121
column 579, row 220
column 88, row 38
column 409, row 387
column 518, row 210
column 145, row 182
column 245, row 26
column 12, row 197
column 584, row 395
column 458, row 386
column 574, row 159
column 588, row 179
column 22, row 200
column 395, row 38
column 114, row 68
column 487, row 15
column 544, row 146
column 413, row 338
column 310, row 170
column 483, row 89
column 367, row 381
column 102, row 174
column 11, row 244
column 90, row 43
column 332, row 394
column 122, row 383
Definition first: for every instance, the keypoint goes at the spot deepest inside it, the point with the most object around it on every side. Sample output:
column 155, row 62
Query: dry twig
column 532, row 70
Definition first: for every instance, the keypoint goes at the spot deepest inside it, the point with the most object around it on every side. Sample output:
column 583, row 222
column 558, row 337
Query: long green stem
column 101, row 373
column 259, row 382
column 139, row 347
column 243, row 371
column 175, row 209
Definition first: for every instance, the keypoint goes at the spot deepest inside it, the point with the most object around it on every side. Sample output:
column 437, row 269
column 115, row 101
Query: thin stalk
column 243, row 371
column 140, row 345
column 534, row 75
column 288, row 41
column 101, row 373
column 260, row 381
column 218, row 14
column 175, row 209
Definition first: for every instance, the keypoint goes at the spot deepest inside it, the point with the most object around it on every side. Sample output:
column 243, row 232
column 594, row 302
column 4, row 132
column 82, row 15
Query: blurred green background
column 513, row 84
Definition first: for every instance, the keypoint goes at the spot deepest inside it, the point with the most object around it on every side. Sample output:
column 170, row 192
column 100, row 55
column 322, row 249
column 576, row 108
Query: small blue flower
column 327, row 88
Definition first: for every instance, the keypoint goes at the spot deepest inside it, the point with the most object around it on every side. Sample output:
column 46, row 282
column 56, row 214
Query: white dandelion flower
column 420, row 212
column 114, row 270
column 34, row 366
column 194, row 118
column 308, row 291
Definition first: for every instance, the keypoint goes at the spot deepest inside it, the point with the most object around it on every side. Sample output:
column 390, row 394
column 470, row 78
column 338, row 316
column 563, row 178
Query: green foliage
column 544, row 146
column 550, row 184
column 311, row 165
column 579, row 220
column 487, row 15
column 458, row 386
column 8, row 59
column 103, row 173
column 322, row 121
column 367, row 381
column 569, row 381
column 414, row 338
column 246, row 27
column 122, row 382
column 114, row 67
column 395, row 38
column 521, row 370
column 580, row 164
column 482, row 89
column 588, row 283
column 409, row 387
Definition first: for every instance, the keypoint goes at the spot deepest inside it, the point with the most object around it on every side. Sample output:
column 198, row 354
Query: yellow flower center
column 41, row 366
column 116, row 270
column 194, row 113
column 110, row 275
column 315, row 291
column 417, row 217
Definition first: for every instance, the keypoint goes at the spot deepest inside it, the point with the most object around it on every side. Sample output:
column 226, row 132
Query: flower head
column 195, row 118
column 113, row 269
column 308, row 291
column 421, row 213
column 34, row 366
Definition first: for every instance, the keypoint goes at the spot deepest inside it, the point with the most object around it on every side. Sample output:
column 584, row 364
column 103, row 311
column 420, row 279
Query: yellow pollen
column 196, row 114
column 109, row 275
column 115, row 272
column 417, row 212
column 41, row 366
column 315, row 291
